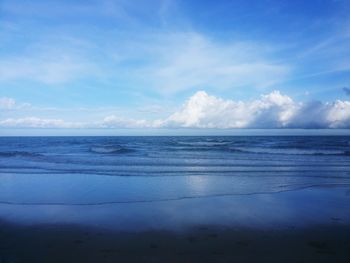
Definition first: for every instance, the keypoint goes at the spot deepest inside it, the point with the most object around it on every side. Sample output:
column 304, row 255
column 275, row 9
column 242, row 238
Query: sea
column 173, row 182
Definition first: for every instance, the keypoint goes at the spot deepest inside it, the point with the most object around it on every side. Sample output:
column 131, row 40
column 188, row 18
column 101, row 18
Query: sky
column 173, row 65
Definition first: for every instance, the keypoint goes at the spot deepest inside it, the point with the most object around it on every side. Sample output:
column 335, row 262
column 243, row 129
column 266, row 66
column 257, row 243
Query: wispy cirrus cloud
column 11, row 104
column 174, row 62
column 7, row 103
column 46, row 63
column 166, row 60
column 167, row 63
column 35, row 122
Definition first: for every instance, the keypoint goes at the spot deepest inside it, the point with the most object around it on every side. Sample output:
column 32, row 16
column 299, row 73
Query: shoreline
column 265, row 211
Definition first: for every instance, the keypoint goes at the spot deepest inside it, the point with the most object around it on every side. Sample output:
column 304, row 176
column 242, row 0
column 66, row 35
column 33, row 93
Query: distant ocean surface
column 107, row 170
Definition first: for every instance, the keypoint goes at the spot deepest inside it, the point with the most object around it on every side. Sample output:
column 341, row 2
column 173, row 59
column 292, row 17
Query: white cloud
column 34, row 122
column 107, row 123
column 48, row 68
column 11, row 104
column 202, row 110
column 120, row 122
column 205, row 111
column 270, row 111
column 164, row 62
column 338, row 114
column 190, row 60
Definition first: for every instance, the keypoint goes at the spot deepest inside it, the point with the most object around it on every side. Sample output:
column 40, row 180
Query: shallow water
column 116, row 181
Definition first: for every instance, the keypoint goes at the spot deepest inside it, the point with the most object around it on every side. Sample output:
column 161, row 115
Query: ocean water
column 93, row 179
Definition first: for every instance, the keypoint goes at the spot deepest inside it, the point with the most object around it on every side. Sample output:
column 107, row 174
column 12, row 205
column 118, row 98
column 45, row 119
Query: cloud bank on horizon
column 202, row 110
column 132, row 64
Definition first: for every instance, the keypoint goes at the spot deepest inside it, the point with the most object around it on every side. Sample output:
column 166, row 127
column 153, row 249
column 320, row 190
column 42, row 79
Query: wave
column 19, row 154
column 199, row 147
column 291, row 151
column 205, row 143
column 109, row 149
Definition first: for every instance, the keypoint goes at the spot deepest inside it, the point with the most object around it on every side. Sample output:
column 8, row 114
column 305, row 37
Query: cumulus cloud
column 273, row 110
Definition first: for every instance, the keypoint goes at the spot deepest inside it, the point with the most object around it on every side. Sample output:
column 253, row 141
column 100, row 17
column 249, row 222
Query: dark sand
column 69, row 243
column 310, row 225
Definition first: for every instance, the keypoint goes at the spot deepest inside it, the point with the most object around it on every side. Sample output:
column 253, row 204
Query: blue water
column 71, row 178
column 87, row 170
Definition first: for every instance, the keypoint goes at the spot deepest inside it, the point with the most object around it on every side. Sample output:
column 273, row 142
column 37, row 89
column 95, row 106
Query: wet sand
column 308, row 225
column 69, row 243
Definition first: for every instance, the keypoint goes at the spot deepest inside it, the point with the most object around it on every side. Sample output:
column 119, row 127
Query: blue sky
column 174, row 64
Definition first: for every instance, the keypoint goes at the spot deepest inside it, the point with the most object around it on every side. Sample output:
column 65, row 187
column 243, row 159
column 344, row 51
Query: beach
column 205, row 244
column 264, row 227
column 178, row 199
